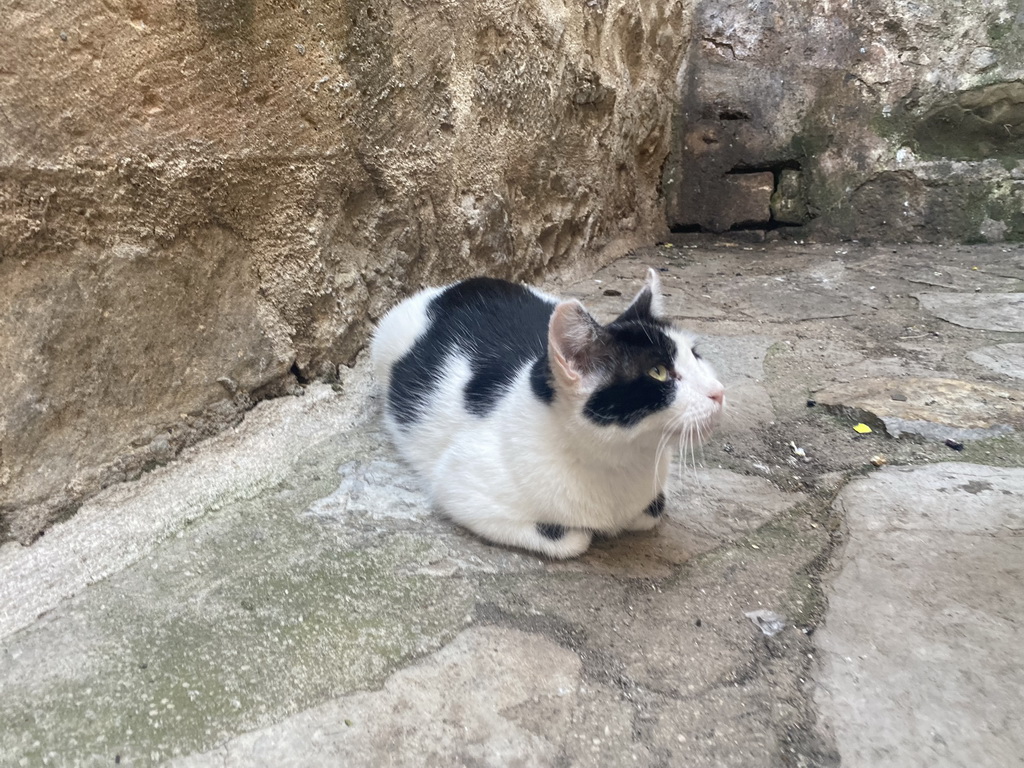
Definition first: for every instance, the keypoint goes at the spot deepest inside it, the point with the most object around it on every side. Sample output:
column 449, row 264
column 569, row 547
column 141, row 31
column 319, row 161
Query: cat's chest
column 551, row 469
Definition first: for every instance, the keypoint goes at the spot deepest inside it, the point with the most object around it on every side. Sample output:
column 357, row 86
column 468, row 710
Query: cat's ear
column 648, row 304
column 573, row 336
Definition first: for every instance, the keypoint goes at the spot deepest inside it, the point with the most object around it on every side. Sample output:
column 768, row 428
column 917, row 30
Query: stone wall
column 886, row 120
column 203, row 202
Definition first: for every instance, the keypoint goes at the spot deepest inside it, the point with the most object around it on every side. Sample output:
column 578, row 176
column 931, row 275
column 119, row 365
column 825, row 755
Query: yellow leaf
column 861, row 428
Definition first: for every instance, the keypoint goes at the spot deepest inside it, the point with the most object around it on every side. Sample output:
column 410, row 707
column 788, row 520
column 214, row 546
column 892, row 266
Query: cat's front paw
column 650, row 517
column 642, row 522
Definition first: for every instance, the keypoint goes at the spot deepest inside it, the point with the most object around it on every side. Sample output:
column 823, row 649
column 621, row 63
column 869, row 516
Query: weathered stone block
column 726, row 202
column 789, row 204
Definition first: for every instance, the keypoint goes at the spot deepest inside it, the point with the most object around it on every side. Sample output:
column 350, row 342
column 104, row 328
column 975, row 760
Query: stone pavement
column 282, row 596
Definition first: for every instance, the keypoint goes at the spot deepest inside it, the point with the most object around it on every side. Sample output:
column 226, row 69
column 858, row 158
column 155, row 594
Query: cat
column 531, row 423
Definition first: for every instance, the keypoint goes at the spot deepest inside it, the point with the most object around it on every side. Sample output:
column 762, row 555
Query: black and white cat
column 533, row 424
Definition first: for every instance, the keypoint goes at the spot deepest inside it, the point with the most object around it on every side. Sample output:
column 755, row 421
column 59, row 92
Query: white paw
column 643, row 522
column 550, row 539
column 571, row 543
column 650, row 517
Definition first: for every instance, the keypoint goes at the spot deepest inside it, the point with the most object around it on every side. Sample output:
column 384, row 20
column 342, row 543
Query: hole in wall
column 772, row 224
column 298, row 374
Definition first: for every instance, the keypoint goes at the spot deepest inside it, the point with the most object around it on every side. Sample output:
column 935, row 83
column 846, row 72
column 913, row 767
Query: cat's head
column 638, row 373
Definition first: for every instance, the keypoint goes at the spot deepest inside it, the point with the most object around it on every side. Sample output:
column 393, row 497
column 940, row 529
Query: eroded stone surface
column 728, row 201
column 288, row 574
column 921, row 641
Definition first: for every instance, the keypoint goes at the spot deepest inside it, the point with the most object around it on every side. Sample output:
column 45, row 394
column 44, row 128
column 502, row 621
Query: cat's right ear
column 648, row 303
column 572, row 339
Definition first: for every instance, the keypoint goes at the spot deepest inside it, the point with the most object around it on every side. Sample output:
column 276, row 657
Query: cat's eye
column 696, row 354
column 658, row 373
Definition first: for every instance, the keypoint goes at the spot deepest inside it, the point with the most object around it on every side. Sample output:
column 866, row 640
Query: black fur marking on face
column 633, row 348
column 498, row 326
column 657, row 507
column 552, row 531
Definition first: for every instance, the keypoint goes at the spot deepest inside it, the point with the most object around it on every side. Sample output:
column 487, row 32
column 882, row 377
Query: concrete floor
column 282, row 596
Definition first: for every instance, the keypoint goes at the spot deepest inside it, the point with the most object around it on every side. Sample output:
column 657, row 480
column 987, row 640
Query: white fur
column 398, row 331
column 527, row 462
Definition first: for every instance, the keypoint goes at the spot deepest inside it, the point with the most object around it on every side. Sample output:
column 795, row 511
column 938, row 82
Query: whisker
column 663, row 442
column 702, row 433
column 694, row 443
column 684, row 447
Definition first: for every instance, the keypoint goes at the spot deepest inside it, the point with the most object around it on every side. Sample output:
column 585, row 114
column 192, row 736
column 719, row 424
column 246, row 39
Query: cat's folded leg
column 468, row 497
column 550, row 539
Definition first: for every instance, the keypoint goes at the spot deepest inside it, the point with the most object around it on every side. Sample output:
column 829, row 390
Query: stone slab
column 239, row 464
column 921, row 643
column 931, row 407
column 984, row 311
column 1007, row 359
column 508, row 699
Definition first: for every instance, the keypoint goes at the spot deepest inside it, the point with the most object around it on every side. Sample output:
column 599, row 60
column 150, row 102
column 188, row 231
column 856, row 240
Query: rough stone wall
column 201, row 202
column 886, row 119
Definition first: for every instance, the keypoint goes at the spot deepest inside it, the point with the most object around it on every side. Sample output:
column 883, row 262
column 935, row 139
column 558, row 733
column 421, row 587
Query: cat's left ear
column 648, row 304
column 573, row 343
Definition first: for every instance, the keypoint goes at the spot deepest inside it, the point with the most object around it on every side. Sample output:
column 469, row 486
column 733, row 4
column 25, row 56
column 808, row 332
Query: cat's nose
column 718, row 395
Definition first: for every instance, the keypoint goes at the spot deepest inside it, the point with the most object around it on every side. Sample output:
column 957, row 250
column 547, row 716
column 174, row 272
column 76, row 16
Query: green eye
column 658, row 373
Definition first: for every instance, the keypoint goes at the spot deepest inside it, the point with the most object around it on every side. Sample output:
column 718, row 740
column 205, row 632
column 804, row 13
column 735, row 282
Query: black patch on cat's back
column 498, row 326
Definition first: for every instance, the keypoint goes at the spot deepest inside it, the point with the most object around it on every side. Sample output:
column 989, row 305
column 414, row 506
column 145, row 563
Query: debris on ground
column 769, row 622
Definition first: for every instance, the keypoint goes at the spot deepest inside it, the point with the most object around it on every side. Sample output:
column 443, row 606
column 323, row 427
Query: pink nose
column 718, row 396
